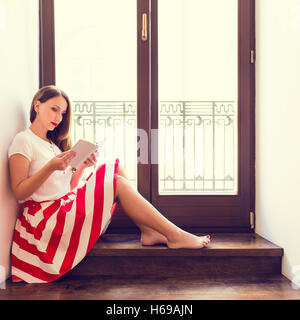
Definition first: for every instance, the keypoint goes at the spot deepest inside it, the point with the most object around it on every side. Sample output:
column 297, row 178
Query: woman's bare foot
column 152, row 237
column 189, row 241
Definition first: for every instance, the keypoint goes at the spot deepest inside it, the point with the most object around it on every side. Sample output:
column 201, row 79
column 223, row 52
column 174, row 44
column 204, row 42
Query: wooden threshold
column 241, row 244
column 226, row 255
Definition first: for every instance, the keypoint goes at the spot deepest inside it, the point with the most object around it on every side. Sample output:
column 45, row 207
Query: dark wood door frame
column 121, row 223
column 144, row 95
column 47, row 42
column 216, row 213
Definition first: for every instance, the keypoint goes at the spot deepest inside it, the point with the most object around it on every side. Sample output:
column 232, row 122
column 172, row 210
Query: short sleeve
column 21, row 145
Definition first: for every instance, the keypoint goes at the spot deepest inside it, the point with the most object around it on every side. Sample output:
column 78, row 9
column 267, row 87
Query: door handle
column 144, row 27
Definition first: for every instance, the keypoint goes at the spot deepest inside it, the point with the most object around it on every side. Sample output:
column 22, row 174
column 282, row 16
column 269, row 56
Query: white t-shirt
column 39, row 152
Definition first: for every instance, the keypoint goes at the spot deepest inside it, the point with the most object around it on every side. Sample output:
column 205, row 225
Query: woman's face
column 50, row 113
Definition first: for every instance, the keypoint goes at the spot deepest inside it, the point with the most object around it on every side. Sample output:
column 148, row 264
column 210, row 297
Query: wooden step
column 227, row 254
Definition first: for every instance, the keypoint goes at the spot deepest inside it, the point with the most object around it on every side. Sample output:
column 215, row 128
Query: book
column 83, row 149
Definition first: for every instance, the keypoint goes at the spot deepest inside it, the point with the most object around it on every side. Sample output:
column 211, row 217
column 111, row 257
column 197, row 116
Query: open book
column 83, row 149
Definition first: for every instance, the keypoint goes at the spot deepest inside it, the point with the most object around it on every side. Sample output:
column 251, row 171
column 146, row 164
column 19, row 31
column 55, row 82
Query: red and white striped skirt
column 52, row 237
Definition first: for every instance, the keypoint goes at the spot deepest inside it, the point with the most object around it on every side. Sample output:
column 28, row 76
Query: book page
column 83, row 149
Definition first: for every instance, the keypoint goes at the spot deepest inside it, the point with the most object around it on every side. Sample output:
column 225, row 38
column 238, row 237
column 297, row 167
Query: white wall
column 18, row 83
column 277, row 126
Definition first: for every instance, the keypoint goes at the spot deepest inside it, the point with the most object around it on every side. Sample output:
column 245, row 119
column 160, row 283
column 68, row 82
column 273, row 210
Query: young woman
column 61, row 222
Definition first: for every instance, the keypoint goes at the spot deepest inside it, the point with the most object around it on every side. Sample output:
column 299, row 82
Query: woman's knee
column 121, row 183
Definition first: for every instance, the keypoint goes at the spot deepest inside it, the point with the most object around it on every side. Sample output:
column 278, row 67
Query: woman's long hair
column 61, row 135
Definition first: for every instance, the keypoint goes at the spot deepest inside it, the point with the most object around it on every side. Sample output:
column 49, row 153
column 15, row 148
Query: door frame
column 217, row 213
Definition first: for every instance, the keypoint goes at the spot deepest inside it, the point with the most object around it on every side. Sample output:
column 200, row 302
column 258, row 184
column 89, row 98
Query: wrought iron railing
column 197, row 141
column 202, row 155
column 113, row 122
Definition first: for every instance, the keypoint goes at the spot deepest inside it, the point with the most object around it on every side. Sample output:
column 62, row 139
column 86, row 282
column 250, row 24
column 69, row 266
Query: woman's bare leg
column 144, row 214
column 149, row 236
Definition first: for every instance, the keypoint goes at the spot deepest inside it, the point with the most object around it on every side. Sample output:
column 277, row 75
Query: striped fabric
column 52, row 237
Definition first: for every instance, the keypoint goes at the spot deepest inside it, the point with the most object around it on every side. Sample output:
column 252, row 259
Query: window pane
column 96, row 45
column 198, row 94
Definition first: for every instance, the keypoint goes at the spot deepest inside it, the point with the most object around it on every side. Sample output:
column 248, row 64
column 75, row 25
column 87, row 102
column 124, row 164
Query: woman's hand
column 91, row 160
column 62, row 160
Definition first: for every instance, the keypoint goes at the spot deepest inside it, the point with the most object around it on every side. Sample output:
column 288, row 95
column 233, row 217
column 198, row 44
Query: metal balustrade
column 197, row 141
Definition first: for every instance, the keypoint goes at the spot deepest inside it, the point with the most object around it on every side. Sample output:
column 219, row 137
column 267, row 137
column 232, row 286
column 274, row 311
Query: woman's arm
column 76, row 178
column 22, row 186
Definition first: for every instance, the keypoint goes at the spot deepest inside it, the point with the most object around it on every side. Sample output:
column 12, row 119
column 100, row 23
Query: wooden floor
column 155, row 288
column 114, row 270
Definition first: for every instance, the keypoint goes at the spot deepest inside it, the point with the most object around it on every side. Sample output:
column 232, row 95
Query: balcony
column 197, row 142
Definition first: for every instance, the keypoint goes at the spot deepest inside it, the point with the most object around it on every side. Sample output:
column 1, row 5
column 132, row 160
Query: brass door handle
column 144, row 27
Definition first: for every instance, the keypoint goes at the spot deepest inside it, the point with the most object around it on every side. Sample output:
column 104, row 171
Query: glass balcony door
column 202, row 82
column 95, row 56
column 197, row 96
column 169, row 86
